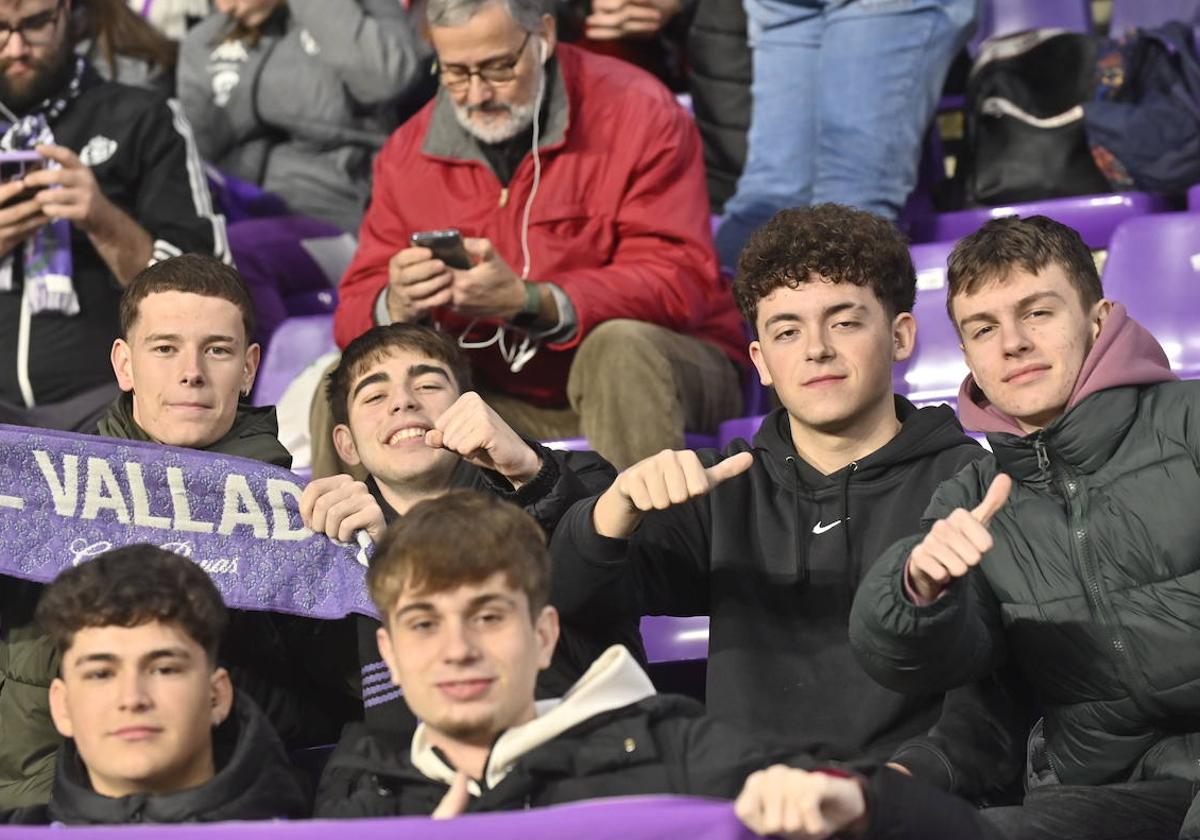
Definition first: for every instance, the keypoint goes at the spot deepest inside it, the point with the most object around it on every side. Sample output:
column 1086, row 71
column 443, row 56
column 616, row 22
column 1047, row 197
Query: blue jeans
column 843, row 93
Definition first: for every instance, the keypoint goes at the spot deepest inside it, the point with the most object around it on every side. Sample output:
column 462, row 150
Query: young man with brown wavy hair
column 153, row 731
column 771, row 537
column 463, row 583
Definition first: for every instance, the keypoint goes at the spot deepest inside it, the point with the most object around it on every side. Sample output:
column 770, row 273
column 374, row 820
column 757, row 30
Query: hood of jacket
column 1125, row 353
column 614, row 681
column 254, row 434
column 254, row 781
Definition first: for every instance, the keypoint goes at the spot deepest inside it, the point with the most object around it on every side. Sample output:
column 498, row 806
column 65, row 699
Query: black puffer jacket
column 661, row 745
column 720, row 86
column 1092, row 587
column 254, row 781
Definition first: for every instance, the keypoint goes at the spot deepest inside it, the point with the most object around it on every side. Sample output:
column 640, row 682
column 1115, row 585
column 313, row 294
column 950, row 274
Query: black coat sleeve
column 565, row 478
column 900, row 808
column 976, row 750
column 662, row 569
column 956, row 640
column 173, row 202
column 717, row 757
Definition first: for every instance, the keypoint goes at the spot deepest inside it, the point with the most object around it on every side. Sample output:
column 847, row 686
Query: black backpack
column 1025, row 134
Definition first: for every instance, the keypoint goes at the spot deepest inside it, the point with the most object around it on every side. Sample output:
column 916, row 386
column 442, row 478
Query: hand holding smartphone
column 16, row 165
column 446, row 245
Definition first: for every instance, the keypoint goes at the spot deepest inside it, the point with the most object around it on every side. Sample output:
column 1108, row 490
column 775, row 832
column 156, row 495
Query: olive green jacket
column 28, row 661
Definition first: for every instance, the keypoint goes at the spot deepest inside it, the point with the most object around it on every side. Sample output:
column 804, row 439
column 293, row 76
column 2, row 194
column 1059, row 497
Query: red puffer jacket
column 620, row 220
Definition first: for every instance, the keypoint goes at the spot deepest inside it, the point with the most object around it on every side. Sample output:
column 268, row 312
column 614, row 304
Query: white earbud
column 544, row 49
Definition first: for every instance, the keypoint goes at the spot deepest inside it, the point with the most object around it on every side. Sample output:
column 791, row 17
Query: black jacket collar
column 1082, row 440
column 254, row 780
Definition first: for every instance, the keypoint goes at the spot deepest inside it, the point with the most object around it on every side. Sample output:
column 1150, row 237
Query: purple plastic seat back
column 580, row 444
column 670, row 639
column 297, row 343
column 740, row 427
column 1130, row 14
column 1005, row 17
column 1094, row 216
column 292, row 266
column 1154, row 269
column 933, row 373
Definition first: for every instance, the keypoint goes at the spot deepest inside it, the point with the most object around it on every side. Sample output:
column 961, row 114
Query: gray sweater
column 303, row 111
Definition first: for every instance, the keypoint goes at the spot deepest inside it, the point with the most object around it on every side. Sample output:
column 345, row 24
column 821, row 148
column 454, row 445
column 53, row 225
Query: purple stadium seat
column 1154, row 269
column 296, row 343
column 580, row 444
column 740, row 427
column 1193, row 198
column 291, row 265
column 936, row 368
column 1005, row 17
column 675, row 639
column 1094, row 216
column 1129, row 14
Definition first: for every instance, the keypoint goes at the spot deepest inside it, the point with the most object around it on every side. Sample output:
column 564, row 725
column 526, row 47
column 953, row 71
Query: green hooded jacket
column 28, row 660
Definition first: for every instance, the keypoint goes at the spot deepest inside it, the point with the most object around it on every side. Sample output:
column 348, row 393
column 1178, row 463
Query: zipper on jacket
column 1043, row 457
column 1071, row 489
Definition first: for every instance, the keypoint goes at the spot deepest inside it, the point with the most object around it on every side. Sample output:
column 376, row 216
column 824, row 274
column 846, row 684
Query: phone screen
column 16, row 165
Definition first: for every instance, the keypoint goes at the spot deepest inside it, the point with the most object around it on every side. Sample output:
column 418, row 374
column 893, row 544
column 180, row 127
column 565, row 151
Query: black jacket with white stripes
column 141, row 151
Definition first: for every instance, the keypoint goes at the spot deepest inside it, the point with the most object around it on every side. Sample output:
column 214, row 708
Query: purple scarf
column 47, row 252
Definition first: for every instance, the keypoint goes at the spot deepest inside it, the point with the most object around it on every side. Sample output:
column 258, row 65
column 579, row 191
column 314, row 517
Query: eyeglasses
column 497, row 72
column 35, row 30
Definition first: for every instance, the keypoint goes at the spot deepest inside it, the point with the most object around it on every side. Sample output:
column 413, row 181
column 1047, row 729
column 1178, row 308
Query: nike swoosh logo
column 821, row 529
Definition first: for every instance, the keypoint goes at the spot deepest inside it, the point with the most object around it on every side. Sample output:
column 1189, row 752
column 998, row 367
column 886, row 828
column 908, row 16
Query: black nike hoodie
column 774, row 557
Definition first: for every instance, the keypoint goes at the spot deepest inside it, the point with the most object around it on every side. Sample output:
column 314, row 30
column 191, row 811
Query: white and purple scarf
column 47, row 252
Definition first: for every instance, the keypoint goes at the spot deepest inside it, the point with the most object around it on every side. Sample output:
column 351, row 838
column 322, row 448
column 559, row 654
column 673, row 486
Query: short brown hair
column 197, row 274
column 991, row 253
column 375, row 344
column 837, row 243
column 460, row 538
column 129, row 587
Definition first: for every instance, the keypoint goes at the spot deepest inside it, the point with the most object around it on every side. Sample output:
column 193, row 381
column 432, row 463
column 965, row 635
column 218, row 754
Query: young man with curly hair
column 771, row 538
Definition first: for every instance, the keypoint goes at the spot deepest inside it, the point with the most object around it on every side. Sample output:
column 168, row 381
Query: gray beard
column 520, row 117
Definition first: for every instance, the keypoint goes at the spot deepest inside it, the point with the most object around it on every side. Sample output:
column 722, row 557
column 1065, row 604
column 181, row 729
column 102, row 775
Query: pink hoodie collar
column 1124, row 354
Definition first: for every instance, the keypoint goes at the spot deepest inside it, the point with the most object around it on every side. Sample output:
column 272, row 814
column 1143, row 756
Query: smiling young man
column 770, row 539
column 405, row 413
column 462, row 583
column 1074, row 554
column 153, row 732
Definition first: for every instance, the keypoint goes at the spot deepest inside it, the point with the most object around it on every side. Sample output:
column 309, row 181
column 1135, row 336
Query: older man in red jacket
column 593, row 302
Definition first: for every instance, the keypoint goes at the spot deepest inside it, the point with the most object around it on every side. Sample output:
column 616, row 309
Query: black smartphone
column 16, row 165
column 447, row 246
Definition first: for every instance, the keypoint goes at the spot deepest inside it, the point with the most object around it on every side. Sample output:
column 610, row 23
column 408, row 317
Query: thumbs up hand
column 658, row 482
column 955, row 544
